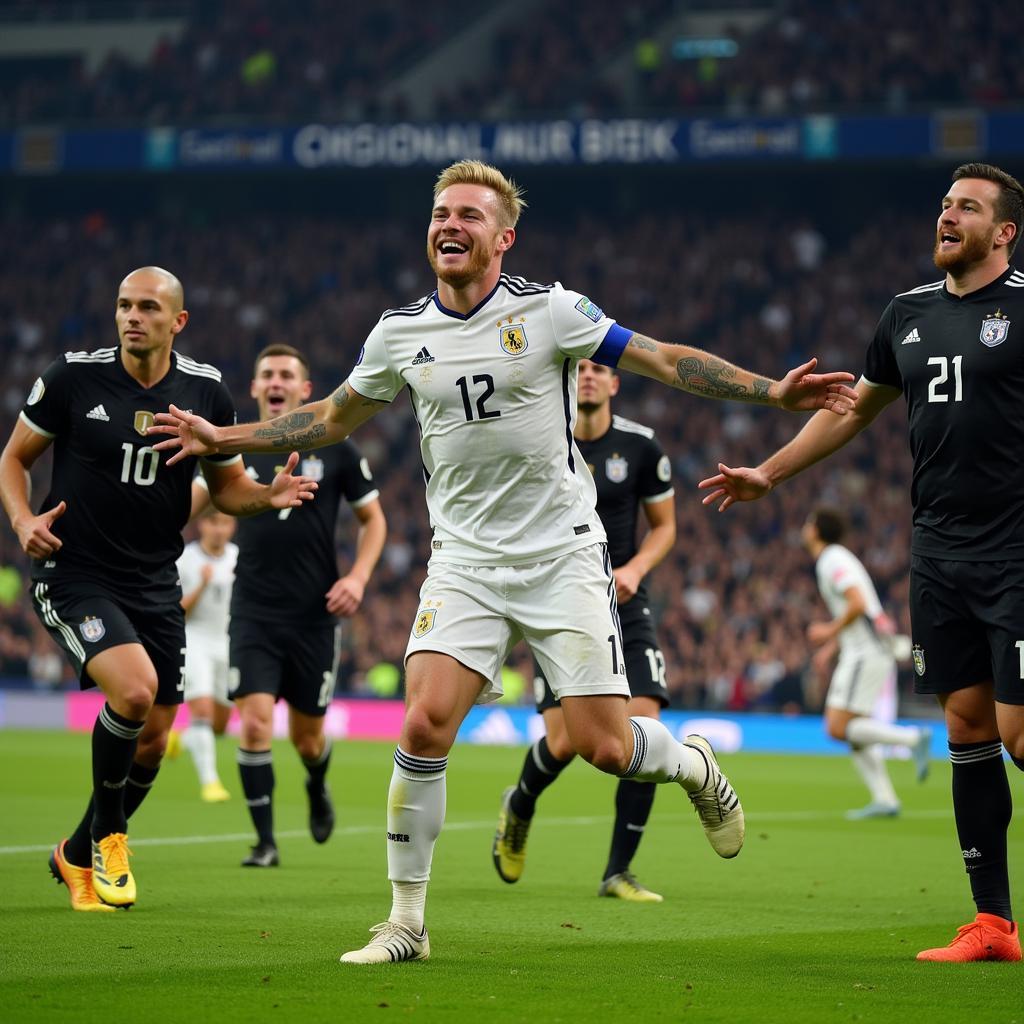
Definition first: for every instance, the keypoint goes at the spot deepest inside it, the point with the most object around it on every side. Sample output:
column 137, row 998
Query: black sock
column 540, row 769
column 114, row 739
column 983, row 807
column 317, row 768
column 256, row 768
column 78, row 850
column 633, row 802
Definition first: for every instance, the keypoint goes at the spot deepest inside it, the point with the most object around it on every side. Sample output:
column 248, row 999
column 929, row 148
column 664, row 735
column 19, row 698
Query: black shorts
column 85, row 618
column 293, row 662
column 645, row 664
column 968, row 626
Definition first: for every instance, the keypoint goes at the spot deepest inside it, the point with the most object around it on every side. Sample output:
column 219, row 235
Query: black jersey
column 629, row 469
column 960, row 365
column 287, row 560
column 125, row 506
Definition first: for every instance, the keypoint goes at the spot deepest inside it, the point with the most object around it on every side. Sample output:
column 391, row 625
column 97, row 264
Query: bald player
column 104, row 544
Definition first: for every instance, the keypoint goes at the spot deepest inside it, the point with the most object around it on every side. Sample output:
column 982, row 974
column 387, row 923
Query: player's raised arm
column 701, row 373
column 822, row 435
column 315, row 425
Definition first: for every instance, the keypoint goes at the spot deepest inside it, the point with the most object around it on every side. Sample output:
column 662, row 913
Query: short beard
column 458, row 279
column 588, row 408
column 974, row 249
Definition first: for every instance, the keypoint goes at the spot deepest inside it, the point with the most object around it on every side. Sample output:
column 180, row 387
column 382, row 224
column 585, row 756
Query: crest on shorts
column 917, row 654
column 513, row 339
column 92, row 629
column 143, row 421
column 616, row 468
column 424, row 622
column 313, row 467
column 994, row 329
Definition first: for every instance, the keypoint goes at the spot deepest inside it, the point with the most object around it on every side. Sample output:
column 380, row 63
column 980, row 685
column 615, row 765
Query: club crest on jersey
column 616, row 468
column 313, row 468
column 143, row 421
column 513, row 339
column 424, row 622
column 92, row 629
column 994, row 329
column 589, row 310
column 917, row 653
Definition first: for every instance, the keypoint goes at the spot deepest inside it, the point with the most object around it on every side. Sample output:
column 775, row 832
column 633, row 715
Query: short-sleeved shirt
column 208, row 617
column 125, row 506
column 959, row 362
column 288, row 560
column 630, row 470
column 494, row 395
column 838, row 569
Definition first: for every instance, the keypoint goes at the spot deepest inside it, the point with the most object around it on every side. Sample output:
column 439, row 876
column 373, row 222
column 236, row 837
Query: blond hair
column 476, row 172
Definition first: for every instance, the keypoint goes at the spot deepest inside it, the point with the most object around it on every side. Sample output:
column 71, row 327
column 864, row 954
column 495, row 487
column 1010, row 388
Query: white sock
column 871, row 765
column 416, row 803
column 862, row 732
column 199, row 742
column 659, row 757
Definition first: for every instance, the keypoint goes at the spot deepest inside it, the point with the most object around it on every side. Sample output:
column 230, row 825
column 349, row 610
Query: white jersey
column 838, row 569
column 494, row 394
column 208, row 619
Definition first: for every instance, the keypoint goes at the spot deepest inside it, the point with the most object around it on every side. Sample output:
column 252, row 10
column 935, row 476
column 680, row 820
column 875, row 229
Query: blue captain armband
column 610, row 350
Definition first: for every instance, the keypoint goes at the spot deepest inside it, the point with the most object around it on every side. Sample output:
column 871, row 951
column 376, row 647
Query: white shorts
column 206, row 668
column 858, row 681
column 564, row 609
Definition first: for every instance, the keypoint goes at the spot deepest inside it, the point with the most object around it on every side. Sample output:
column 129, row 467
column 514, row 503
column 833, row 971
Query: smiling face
column 148, row 313
column 466, row 235
column 967, row 230
column 280, row 385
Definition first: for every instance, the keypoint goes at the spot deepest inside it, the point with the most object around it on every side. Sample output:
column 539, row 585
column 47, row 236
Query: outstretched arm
column 701, row 373
column 310, row 426
column 233, row 491
column 822, row 435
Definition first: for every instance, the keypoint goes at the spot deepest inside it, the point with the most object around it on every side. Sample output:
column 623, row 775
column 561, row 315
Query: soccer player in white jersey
column 207, row 571
column 866, row 664
column 518, row 550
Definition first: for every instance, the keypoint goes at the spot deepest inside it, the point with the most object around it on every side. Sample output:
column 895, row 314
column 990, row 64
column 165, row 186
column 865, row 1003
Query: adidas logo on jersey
column 423, row 356
column 912, row 337
column 972, row 853
column 99, row 413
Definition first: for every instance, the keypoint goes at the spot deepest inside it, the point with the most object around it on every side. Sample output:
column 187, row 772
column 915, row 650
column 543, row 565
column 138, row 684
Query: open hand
column 732, row 485
column 802, row 390
column 191, row 434
column 287, row 491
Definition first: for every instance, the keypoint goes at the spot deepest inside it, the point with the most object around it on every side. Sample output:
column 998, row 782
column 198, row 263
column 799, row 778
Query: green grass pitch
column 818, row 919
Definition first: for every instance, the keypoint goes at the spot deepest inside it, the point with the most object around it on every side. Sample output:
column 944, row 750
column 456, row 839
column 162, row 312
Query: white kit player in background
column 865, row 637
column 207, row 571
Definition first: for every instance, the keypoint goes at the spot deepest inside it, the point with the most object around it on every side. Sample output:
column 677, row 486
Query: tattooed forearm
column 250, row 508
column 341, row 397
column 642, row 343
column 715, row 378
column 292, row 431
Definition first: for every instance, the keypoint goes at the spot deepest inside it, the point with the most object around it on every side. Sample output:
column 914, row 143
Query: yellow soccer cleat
column 112, row 879
column 174, row 745
column 624, row 886
column 214, row 793
column 509, row 848
column 78, row 880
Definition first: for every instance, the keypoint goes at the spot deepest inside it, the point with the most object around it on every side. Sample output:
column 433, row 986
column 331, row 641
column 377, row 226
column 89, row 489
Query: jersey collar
column 978, row 293
column 465, row 316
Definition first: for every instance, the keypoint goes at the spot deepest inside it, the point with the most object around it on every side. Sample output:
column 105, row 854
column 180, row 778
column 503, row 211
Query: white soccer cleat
column 717, row 804
column 391, row 943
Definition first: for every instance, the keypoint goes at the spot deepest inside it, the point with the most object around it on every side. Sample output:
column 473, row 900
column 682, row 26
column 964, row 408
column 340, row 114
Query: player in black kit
column 630, row 470
column 955, row 349
column 286, row 602
column 104, row 545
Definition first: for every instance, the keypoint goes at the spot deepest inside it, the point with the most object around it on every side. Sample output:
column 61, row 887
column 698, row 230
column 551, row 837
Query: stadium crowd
column 316, row 60
column 736, row 594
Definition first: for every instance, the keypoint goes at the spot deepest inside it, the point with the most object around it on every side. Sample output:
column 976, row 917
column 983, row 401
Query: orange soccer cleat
column 78, row 880
column 987, row 937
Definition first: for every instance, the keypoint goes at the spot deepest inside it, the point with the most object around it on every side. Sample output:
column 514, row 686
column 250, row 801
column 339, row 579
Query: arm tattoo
column 292, row 431
column 340, row 398
column 714, row 378
column 642, row 343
